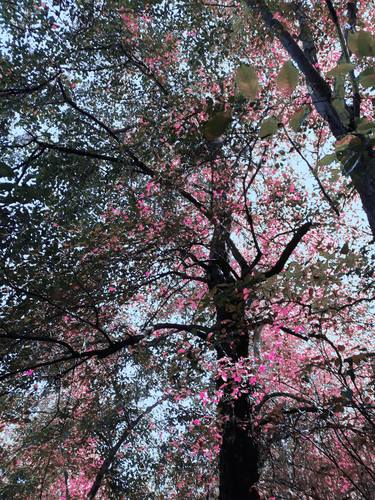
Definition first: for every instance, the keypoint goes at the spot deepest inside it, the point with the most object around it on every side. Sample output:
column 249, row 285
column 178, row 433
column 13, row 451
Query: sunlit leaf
column 349, row 141
column 287, row 79
column 340, row 70
column 367, row 78
column 247, row 81
column 297, row 119
column 327, row 159
column 362, row 43
column 269, row 127
column 364, row 126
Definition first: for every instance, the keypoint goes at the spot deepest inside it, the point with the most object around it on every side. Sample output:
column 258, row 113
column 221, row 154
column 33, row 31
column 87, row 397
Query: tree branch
column 113, row 451
column 39, row 338
column 27, row 90
column 288, row 250
column 321, row 91
column 355, row 111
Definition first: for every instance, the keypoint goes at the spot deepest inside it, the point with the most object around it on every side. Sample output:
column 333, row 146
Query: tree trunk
column 364, row 182
column 238, row 460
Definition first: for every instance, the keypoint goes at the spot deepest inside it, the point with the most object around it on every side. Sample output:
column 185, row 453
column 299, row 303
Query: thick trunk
column 238, row 461
column 364, row 181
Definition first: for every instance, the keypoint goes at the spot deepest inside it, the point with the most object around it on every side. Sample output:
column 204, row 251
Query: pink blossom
column 203, row 396
column 149, row 188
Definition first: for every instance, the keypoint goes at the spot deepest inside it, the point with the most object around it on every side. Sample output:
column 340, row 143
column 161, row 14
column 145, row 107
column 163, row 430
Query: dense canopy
column 187, row 217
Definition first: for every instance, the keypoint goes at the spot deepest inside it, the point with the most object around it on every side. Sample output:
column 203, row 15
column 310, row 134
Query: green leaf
column 362, row 43
column 368, row 81
column 327, row 159
column 6, row 171
column 349, row 152
column 27, row 193
column 217, row 125
column 349, row 141
column 364, row 126
column 345, row 249
column 334, row 174
column 339, row 105
column 340, row 70
column 6, row 186
column 296, row 120
column 287, row 79
column 247, row 81
column 269, row 127
column 367, row 78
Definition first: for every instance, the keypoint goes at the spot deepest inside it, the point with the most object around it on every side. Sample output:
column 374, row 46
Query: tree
column 184, row 314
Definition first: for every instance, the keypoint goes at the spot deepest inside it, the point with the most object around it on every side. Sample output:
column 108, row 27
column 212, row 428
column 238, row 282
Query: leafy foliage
column 187, row 283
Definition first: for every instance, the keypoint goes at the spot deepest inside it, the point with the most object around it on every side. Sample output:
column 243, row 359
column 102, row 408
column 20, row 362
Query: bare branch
column 288, row 250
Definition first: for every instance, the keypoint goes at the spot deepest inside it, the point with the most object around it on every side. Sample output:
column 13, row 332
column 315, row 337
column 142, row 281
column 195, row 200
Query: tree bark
column 238, row 458
column 364, row 182
column 239, row 455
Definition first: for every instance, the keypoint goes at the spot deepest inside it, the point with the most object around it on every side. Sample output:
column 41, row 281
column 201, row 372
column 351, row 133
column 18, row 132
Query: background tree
column 187, row 287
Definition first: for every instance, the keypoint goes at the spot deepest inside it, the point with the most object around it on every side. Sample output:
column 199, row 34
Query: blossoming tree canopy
column 187, row 271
